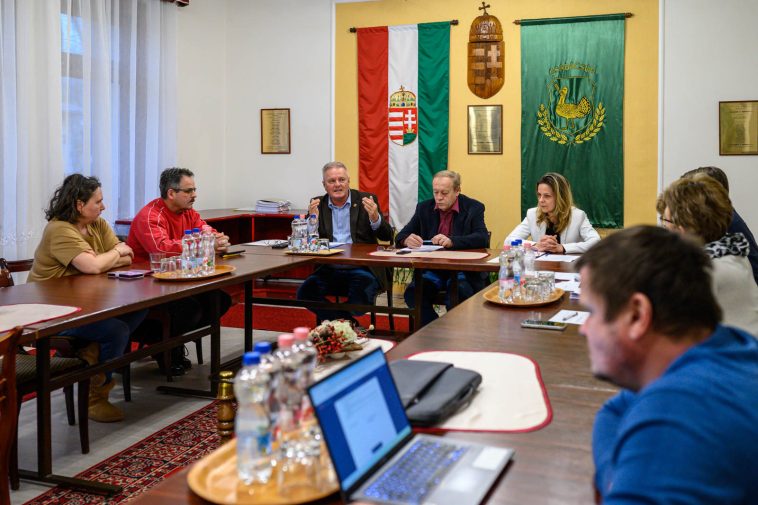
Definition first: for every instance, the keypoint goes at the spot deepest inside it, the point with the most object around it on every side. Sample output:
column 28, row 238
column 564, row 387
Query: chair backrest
column 8, row 267
column 5, row 274
column 8, row 406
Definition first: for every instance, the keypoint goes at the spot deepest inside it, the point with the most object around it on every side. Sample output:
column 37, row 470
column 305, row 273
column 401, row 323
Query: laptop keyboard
column 416, row 473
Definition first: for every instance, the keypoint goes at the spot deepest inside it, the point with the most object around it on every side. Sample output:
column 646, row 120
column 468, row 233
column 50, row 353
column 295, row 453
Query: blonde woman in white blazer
column 555, row 225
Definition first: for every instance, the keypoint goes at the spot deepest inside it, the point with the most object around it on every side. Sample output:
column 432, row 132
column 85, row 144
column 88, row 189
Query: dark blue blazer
column 468, row 230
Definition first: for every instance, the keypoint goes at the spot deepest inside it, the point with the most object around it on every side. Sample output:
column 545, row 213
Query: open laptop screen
column 361, row 415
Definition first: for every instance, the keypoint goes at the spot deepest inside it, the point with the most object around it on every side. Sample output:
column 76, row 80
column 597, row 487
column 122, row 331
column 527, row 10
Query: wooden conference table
column 361, row 255
column 553, row 464
column 99, row 298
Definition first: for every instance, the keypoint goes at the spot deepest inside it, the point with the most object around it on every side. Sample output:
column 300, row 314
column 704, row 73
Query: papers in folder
column 270, row 205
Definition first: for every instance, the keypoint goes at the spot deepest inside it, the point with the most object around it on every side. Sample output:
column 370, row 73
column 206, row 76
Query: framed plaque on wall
column 738, row 128
column 275, row 131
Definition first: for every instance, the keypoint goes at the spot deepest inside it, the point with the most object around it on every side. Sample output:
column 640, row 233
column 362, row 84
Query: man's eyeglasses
column 669, row 221
column 332, row 182
column 189, row 191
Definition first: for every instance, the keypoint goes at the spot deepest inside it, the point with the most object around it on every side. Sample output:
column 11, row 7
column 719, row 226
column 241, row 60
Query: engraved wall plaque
column 485, row 129
column 275, row 131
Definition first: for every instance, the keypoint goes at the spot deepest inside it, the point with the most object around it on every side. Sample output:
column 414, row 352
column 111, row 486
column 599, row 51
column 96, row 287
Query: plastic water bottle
column 197, row 259
column 287, row 392
column 209, row 250
column 302, row 227
column 307, row 357
column 529, row 257
column 270, row 365
column 516, row 295
column 313, row 232
column 187, row 258
column 252, row 426
column 505, row 275
column 299, row 236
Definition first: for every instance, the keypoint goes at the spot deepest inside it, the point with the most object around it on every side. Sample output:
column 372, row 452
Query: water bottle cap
column 207, row 227
column 519, row 241
column 514, row 243
column 301, row 333
column 313, row 215
column 188, row 232
column 527, row 246
column 195, row 230
column 285, row 340
column 263, row 347
column 251, row 358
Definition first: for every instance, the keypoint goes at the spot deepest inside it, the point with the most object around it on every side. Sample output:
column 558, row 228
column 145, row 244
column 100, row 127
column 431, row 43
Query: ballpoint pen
column 569, row 316
column 542, row 254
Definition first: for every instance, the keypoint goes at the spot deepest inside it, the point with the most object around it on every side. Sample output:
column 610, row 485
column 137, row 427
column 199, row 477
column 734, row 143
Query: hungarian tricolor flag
column 403, row 97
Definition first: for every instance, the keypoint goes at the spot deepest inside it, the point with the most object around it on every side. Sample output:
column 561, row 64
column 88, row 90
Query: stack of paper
column 272, row 205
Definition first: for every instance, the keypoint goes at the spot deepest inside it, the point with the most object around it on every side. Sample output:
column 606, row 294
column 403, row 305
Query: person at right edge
column 453, row 221
column 684, row 428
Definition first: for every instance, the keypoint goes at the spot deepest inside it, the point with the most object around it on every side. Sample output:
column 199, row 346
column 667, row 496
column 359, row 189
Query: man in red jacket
column 159, row 227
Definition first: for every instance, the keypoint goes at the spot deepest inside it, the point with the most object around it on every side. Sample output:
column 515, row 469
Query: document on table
column 571, row 286
column 570, row 316
column 566, row 276
column 423, row 248
column 266, row 243
column 566, row 258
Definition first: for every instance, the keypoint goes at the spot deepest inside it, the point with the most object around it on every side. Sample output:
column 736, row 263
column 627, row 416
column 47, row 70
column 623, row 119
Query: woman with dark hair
column 77, row 240
column 555, row 225
column 700, row 206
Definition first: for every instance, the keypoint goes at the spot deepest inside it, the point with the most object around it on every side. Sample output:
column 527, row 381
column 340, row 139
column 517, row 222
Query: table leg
column 248, row 316
column 453, row 294
column 418, row 281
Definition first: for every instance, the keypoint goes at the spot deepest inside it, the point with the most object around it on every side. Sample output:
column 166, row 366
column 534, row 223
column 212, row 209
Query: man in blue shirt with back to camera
column 684, row 429
column 351, row 217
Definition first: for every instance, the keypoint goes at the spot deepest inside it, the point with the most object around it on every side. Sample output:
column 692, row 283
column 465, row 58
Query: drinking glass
column 323, row 244
column 548, row 283
column 156, row 259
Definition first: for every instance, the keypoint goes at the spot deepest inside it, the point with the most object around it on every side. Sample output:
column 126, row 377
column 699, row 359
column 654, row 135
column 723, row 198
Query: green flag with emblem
column 572, row 96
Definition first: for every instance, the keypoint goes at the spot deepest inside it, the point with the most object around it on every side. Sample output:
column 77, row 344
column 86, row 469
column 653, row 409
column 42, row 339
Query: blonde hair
column 564, row 200
column 699, row 204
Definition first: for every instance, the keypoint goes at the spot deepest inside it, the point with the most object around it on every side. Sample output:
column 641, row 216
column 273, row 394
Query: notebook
column 376, row 456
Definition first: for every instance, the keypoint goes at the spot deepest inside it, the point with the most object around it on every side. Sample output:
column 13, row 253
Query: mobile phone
column 128, row 274
column 230, row 253
column 426, row 242
column 403, row 251
column 281, row 245
column 543, row 325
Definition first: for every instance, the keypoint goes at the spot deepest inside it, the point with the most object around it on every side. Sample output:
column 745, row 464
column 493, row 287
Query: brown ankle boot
column 100, row 409
column 90, row 353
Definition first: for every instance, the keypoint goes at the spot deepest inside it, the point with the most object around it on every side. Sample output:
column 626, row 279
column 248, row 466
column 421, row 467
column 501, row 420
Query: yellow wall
column 495, row 179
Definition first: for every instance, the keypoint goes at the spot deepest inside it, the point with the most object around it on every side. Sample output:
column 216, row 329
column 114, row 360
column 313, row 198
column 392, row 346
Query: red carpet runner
column 266, row 317
column 147, row 462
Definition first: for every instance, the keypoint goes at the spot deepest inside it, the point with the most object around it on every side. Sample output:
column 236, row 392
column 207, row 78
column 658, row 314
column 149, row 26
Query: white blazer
column 577, row 238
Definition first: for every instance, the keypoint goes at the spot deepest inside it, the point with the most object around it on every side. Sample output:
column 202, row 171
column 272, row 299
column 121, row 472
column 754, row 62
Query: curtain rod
column 453, row 22
column 578, row 18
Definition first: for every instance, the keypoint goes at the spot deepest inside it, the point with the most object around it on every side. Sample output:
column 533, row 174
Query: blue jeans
column 434, row 282
column 358, row 284
column 112, row 335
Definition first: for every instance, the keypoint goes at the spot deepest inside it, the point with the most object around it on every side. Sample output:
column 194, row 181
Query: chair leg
column 199, row 350
column 390, row 316
column 68, row 393
column 13, row 458
column 126, row 382
column 82, row 407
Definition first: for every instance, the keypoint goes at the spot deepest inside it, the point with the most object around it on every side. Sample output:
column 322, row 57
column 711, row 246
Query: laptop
column 376, row 456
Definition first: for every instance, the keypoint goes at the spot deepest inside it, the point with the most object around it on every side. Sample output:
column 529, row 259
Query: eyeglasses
column 189, row 191
column 332, row 182
column 669, row 221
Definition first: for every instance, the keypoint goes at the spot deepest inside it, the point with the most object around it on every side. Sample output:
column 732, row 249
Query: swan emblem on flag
column 403, row 117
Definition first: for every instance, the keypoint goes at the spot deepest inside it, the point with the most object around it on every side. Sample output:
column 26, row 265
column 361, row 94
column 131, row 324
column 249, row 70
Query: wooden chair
column 8, row 411
column 68, row 360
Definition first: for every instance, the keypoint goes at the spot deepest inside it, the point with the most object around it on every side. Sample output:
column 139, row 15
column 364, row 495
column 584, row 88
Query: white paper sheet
column 570, row 316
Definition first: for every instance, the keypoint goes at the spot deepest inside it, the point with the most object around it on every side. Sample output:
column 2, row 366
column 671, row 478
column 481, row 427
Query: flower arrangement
column 334, row 338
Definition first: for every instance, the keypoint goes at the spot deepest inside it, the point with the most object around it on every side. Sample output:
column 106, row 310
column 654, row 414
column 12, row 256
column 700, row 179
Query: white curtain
column 106, row 106
column 31, row 159
column 119, row 81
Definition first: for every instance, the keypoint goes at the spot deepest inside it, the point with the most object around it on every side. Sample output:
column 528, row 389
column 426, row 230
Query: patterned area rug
column 267, row 317
column 146, row 463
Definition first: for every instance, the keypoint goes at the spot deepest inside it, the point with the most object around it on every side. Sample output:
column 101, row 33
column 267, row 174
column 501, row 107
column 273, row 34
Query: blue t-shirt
column 690, row 437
